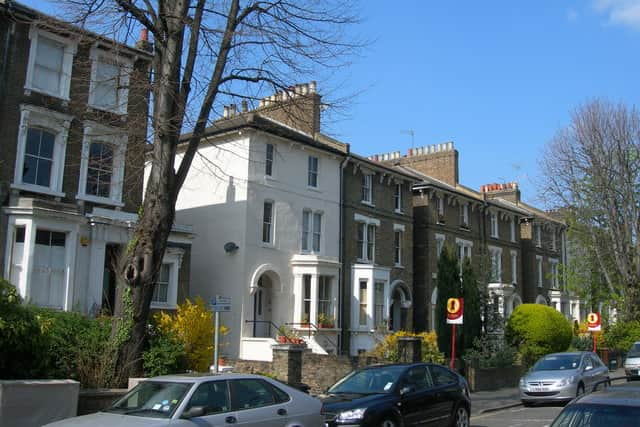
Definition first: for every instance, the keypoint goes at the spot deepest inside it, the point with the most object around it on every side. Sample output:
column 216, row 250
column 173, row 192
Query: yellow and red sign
column 593, row 322
column 454, row 311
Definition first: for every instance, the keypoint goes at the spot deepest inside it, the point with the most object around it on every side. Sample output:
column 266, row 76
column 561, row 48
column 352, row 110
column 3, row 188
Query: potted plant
column 305, row 321
column 284, row 335
column 325, row 321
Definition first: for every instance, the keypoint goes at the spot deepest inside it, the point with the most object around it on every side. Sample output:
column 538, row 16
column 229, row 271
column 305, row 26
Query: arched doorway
column 262, row 307
column 541, row 300
column 399, row 307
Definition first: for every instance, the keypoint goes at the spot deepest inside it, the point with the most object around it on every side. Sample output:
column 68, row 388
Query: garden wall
column 481, row 379
column 32, row 403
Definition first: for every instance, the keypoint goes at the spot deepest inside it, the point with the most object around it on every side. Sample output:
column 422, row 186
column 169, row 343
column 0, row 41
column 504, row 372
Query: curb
column 499, row 408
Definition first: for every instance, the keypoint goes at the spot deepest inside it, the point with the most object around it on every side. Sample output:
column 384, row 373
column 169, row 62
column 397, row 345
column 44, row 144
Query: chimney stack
column 143, row 42
column 508, row 191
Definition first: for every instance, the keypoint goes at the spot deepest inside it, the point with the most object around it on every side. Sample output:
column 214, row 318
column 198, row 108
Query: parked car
column 610, row 407
column 207, row 400
column 561, row 377
column 398, row 395
column 632, row 361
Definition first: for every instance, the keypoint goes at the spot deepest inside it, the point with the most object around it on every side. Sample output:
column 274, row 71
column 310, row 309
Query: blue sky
column 496, row 77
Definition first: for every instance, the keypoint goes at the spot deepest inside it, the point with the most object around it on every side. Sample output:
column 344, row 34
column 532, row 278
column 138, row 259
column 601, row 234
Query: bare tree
column 205, row 53
column 592, row 170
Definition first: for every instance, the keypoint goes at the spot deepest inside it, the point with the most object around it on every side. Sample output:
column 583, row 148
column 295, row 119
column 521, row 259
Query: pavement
column 504, row 398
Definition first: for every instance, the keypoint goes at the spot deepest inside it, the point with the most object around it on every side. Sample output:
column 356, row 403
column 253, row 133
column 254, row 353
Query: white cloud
column 621, row 12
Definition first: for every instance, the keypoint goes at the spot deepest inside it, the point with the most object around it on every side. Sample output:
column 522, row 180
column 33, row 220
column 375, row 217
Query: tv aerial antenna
column 411, row 133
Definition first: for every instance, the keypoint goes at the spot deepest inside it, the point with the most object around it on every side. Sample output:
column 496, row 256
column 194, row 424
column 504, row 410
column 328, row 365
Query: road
column 538, row 416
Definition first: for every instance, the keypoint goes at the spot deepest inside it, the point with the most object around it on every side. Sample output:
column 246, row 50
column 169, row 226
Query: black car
column 617, row 406
column 398, row 395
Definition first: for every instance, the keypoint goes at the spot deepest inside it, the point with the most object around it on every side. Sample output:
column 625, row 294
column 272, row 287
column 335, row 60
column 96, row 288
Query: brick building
column 493, row 227
column 377, row 247
column 73, row 114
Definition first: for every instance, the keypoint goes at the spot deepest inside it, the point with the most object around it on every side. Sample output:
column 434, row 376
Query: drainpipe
column 341, row 293
column 5, row 59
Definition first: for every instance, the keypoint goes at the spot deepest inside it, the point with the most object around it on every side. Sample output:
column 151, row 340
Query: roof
column 197, row 377
column 11, row 7
column 256, row 121
column 381, row 166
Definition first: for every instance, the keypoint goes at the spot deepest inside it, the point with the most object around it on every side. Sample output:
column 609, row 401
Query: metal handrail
column 269, row 322
column 315, row 327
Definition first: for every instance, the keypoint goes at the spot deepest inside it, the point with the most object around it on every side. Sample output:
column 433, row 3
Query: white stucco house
column 263, row 198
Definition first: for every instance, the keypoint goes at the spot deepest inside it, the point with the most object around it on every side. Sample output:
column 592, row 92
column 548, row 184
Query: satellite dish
column 230, row 247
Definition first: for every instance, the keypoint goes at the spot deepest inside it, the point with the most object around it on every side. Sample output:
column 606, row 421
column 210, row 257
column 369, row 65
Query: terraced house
column 73, row 111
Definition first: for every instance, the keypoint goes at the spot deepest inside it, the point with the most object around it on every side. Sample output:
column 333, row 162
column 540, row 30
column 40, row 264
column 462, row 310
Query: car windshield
column 634, row 351
column 590, row 415
column 557, row 362
column 369, row 381
column 156, row 399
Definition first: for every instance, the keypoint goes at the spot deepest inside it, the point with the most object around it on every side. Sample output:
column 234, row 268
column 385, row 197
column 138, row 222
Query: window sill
column 465, row 228
column 497, row 237
column 315, row 189
column 399, row 211
column 367, row 203
column 162, row 306
column 398, row 266
column 99, row 200
column 267, row 245
column 106, row 110
column 364, row 261
column 28, row 90
column 37, row 189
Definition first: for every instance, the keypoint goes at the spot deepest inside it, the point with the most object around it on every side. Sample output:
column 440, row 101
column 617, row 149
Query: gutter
column 341, row 299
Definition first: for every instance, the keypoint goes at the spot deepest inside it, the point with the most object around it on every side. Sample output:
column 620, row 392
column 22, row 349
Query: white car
column 632, row 362
column 207, row 400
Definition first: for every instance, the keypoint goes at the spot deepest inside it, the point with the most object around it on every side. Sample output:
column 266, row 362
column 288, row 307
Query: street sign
column 220, row 303
column 454, row 311
column 594, row 322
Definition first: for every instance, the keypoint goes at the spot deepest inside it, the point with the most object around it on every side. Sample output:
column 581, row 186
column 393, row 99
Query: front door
column 49, row 270
column 262, row 308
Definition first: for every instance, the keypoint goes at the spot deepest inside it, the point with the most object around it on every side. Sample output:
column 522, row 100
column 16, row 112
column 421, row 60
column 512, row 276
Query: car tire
column 460, row 417
column 527, row 404
column 388, row 422
column 580, row 390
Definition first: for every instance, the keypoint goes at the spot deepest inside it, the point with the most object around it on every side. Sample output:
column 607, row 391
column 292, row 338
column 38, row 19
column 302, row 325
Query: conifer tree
column 448, row 282
column 471, row 328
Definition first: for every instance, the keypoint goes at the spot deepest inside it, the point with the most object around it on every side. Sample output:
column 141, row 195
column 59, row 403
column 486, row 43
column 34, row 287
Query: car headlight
column 352, row 414
column 522, row 382
column 568, row 380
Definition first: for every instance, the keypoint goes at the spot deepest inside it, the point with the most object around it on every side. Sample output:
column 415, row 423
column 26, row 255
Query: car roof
column 202, row 377
column 616, row 395
column 567, row 353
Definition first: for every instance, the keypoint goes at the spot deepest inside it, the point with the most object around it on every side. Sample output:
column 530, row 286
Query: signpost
column 594, row 325
column 218, row 305
column 454, row 317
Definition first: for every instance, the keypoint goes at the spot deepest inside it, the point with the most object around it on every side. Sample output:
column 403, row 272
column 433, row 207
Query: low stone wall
column 27, row 403
column 91, row 401
column 481, row 379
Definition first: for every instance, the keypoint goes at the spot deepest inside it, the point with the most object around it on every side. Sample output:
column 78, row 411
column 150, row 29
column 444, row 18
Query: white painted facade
column 224, row 197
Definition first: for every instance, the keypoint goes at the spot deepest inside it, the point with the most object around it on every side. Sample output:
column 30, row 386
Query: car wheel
column 388, row 422
column 461, row 417
column 580, row 390
column 527, row 404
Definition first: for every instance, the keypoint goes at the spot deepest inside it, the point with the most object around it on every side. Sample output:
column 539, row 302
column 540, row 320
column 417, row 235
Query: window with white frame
column 512, row 229
column 268, row 168
column 42, row 140
column 311, row 231
column 553, row 272
column 494, row 224
column 109, row 81
column 312, row 172
column 397, row 247
column 366, row 241
column 102, row 164
column 496, row 264
column 464, row 215
column 325, row 300
column 514, row 267
column 440, row 238
column 165, row 292
column 362, row 295
column 267, row 222
column 440, row 207
column 397, row 198
column 378, row 304
column 306, row 299
column 554, row 242
column 367, row 188
column 539, row 271
column 50, row 63
column 537, row 235
column 464, row 249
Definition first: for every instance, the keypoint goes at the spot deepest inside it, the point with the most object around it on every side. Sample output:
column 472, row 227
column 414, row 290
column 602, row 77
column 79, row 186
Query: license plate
column 539, row 389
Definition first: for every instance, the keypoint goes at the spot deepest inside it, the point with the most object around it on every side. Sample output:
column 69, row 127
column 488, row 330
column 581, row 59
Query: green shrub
column 387, row 349
column 582, row 343
column 621, row 335
column 491, row 353
column 537, row 330
column 21, row 341
column 166, row 354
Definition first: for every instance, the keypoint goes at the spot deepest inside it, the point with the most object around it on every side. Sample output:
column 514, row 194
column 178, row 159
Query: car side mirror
column 406, row 389
column 194, row 411
column 588, row 368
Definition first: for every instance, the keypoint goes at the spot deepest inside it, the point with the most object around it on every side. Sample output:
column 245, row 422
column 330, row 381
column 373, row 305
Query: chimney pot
column 225, row 112
column 245, row 106
column 232, row 109
column 144, row 35
column 312, row 86
column 305, row 89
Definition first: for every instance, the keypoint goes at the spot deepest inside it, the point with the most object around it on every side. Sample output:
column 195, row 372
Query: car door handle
column 282, row 411
column 231, row 420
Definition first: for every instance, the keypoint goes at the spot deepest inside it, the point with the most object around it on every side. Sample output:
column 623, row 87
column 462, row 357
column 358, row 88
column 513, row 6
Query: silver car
column 211, row 400
column 632, row 362
column 561, row 377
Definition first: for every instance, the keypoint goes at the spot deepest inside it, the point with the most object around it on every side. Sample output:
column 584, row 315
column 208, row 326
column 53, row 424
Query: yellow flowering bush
column 387, row 349
column 192, row 325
